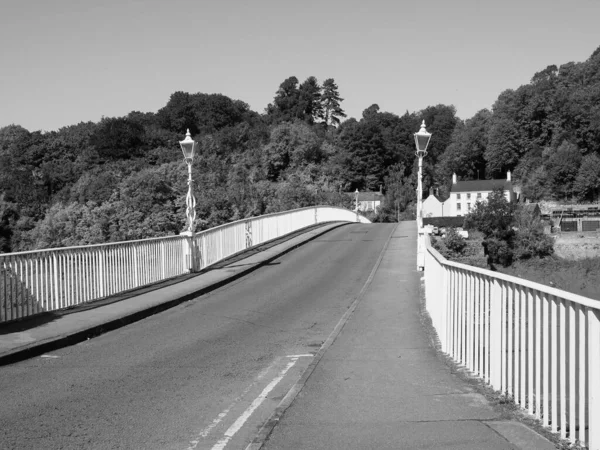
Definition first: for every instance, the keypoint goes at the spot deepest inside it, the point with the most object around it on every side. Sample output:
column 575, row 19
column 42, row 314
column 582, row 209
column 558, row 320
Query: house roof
column 531, row 207
column 439, row 199
column 480, row 185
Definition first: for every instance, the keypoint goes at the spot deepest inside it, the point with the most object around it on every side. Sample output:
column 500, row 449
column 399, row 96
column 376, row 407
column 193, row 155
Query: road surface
column 204, row 375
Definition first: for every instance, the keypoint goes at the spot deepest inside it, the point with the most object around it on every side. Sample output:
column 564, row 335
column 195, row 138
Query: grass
column 579, row 276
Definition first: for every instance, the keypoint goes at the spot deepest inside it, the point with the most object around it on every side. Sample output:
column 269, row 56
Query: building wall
column 432, row 207
column 369, row 205
column 467, row 201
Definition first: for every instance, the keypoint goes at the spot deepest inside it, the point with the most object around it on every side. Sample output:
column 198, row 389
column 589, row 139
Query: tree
column 330, row 101
column 118, row 138
column 286, row 102
column 179, row 114
column 494, row 218
column 465, row 153
column 310, row 101
column 587, row 183
column 530, row 240
column 502, row 152
column 292, row 145
column 562, row 168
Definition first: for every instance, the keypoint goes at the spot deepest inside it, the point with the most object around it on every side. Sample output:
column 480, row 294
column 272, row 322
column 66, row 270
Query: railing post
column 420, row 249
column 136, row 269
column 593, row 316
column 55, row 303
column 248, row 227
column 495, row 334
column 163, row 268
column 188, row 251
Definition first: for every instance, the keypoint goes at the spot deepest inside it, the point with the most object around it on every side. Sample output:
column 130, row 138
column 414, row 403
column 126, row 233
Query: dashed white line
column 206, row 431
column 237, row 425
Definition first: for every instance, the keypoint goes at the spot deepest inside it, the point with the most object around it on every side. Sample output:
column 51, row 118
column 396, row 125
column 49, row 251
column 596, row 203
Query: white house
column 368, row 200
column 433, row 206
column 464, row 194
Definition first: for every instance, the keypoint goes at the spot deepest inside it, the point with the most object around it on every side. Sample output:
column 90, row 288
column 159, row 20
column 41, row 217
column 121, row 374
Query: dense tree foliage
column 124, row 178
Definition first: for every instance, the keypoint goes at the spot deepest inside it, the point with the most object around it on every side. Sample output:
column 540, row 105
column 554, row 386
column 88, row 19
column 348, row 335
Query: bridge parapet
column 52, row 279
column 537, row 345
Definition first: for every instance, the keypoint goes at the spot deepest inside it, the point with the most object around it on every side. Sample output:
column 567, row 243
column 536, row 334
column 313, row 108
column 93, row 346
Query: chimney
column 508, row 175
column 381, row 188
column 453, row 178
column 431, row 190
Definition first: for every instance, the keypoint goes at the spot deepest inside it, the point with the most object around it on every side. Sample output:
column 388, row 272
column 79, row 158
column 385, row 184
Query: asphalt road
column 203, row 375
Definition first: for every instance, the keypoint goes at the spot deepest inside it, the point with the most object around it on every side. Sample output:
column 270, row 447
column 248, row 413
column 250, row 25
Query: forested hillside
column 124, row 177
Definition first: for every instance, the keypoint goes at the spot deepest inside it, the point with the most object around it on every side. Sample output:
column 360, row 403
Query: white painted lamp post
column 421, row 141
column 188, row 146
column 356, row 203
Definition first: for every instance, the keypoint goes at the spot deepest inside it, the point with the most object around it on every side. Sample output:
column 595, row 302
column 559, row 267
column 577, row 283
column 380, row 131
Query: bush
column 450, row 247
column 444, row 222
column 530, row 240
column 454, row 241
column 493, row 216
column 499, row 251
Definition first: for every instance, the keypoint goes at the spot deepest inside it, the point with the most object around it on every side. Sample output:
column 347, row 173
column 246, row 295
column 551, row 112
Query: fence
column 47, row 280
column 538, row 345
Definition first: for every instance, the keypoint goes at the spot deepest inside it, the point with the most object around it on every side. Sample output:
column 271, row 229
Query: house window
column 458, row 206
column 469, row 196
column 479, row 195
column 457, row 196
column 468, row 207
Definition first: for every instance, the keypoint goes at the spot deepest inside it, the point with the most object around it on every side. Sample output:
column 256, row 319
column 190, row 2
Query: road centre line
column 206, row 431
column 237, row 425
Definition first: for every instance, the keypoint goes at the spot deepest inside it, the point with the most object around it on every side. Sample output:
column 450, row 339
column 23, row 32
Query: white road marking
column 49, row 356
column 206, row 431
column 306, row 355
column 233, row 429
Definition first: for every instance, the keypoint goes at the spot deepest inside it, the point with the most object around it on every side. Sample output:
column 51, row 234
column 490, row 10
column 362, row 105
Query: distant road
column 203, row 375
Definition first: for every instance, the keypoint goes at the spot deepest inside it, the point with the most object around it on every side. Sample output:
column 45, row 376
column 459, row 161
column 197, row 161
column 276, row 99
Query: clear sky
column 67, row 61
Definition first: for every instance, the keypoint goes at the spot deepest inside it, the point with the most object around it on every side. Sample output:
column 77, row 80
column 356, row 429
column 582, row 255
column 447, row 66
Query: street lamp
column 421, row 141
column 188, row 146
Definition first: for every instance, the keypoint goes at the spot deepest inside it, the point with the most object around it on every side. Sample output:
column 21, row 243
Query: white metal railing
column 538, row 345
column 47, row 280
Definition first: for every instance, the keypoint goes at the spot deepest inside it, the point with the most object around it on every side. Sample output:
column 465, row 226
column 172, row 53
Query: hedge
column 448, row 221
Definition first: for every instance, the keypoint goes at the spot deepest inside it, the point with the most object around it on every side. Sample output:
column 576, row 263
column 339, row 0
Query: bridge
column 306, row 329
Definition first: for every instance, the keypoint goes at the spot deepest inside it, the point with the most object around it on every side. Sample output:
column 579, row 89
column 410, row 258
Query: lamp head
column 188, row 146
column 422, row 140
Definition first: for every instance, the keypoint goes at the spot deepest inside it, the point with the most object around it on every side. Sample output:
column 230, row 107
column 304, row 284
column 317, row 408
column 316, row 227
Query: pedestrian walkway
column 381, row 384
column 49, row 331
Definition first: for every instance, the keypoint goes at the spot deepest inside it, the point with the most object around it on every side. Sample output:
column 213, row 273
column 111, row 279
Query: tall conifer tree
column 330, row 99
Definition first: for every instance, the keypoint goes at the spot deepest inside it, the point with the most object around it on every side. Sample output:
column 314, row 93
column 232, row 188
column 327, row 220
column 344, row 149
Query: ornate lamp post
column 422, row 138
column 356, row 203
column 421, row 141
column 188, row 146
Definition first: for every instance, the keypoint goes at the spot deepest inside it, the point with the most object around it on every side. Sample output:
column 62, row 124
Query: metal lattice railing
column 47, row 280
column 535, row 344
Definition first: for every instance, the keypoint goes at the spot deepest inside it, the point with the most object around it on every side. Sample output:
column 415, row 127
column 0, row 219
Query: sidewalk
column 37, row 335
column 381, row 385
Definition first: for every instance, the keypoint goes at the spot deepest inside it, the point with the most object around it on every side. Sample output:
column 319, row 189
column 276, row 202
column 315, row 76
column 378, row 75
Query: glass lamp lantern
column 422, row 138
column 188, row 147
